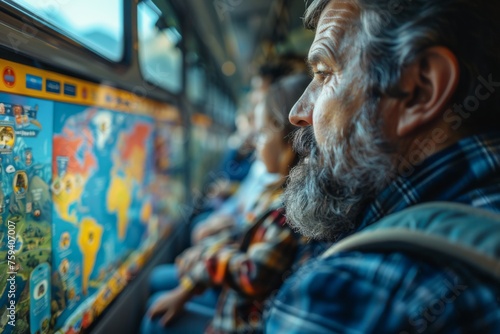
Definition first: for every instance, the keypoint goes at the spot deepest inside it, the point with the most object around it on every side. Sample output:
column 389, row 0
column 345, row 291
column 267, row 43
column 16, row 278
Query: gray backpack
column 444, row 231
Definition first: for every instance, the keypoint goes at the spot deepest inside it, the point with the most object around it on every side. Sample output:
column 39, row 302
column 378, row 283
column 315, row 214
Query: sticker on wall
column 20, row 116
column 7, row 138
column 20, row 185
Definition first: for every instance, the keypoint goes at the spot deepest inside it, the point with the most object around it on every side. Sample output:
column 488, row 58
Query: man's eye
column 321, row 75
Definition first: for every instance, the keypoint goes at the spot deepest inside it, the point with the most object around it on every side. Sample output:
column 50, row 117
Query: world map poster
column 103, row 170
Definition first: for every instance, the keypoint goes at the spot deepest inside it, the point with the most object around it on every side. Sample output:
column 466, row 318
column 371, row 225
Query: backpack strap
column 439, row 230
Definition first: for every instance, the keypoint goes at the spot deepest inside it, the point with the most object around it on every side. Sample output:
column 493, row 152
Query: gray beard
column 329, row 188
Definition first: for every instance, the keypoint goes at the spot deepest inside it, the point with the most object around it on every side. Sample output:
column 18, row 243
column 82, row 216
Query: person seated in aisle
column 233, row 210
column 249, row 266
column 236, row 163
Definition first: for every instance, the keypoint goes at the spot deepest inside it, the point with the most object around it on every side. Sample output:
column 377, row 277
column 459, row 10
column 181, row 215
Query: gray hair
column 392, row 33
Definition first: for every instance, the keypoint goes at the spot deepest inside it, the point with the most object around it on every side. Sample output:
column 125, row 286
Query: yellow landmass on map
column 89, row 241
column 120, row 189
column 70, row 192
column 119, row 199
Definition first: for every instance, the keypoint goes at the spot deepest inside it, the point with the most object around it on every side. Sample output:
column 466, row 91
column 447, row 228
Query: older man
column 402, row 111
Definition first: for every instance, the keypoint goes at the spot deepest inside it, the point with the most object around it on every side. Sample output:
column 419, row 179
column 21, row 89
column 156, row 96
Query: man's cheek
column 325, row 117
column 320, row 129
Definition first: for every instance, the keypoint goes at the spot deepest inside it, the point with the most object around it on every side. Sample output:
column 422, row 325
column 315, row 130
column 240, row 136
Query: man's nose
column 302, row 112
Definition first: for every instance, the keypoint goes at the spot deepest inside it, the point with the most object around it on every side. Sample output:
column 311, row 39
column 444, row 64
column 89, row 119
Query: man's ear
column 430, row 82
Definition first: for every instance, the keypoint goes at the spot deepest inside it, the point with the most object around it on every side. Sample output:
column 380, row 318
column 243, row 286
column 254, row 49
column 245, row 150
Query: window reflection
column 159, row 55
column 96, row 24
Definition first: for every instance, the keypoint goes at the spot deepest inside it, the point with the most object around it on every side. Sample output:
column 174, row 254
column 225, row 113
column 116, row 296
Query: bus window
column 160, row 58
column 196, row 78
column 196, row 84
column 99, row 30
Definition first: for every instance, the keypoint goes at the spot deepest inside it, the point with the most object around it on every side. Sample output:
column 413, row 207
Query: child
column 250, row 268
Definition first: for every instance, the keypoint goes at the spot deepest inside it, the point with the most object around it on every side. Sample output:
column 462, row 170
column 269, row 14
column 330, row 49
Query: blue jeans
column 198, row 312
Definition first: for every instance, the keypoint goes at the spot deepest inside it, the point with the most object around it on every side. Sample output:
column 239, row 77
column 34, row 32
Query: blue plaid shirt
column 355, row 292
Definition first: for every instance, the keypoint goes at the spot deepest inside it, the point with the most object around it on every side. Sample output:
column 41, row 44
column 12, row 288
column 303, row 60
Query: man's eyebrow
column 313, row 60
column 319, row 57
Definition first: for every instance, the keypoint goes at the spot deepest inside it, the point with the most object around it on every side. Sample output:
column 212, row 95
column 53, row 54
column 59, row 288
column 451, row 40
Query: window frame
column 182, row 77
column 28, row 17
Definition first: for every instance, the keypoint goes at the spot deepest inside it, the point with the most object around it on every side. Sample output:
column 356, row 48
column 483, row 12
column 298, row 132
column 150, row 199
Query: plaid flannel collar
column 449, row 175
